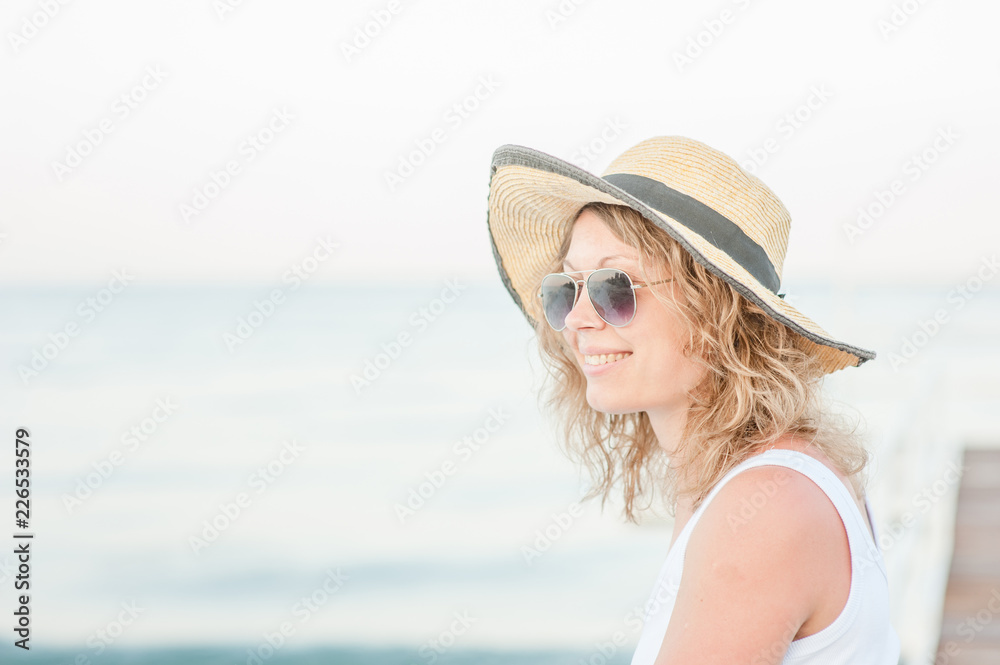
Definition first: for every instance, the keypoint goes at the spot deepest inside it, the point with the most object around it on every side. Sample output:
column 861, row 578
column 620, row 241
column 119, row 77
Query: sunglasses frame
column 576, row 297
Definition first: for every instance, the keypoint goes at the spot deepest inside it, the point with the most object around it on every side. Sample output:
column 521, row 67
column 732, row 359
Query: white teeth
column 604, row 359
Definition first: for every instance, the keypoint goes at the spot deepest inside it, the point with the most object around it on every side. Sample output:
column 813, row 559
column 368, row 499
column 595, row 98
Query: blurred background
column 281, row 408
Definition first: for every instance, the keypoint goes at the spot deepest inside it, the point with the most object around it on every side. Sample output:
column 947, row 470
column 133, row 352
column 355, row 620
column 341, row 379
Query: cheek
column 663, row 353
column 662, row 335
column 569, row 340
column 666, row 362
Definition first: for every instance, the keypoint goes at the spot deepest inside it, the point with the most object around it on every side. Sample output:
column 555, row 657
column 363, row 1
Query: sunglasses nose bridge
column 582, row 292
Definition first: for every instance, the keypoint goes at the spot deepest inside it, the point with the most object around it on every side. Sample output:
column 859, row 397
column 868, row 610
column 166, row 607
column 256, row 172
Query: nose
column 583, row 315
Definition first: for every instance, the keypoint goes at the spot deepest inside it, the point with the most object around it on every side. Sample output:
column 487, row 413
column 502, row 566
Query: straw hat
column 729, row 221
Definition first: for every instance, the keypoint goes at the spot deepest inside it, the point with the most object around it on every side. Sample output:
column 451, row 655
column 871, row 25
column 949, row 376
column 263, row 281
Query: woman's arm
column 768, row 552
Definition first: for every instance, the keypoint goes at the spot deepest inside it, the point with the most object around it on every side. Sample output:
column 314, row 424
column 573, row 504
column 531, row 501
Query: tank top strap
column 871, row 519
column 871, row 635
column 863, row 548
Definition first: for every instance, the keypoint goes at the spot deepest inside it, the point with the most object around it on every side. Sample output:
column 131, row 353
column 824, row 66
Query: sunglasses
column 611, row 292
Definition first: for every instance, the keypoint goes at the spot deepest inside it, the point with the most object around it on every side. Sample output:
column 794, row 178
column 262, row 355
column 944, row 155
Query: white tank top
column 861, row 635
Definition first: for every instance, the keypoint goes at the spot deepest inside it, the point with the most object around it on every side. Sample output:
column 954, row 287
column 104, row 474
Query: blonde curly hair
column 759, row 387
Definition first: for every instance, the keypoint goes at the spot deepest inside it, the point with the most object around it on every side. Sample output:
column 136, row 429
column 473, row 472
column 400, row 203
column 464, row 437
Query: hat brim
column 533, row 197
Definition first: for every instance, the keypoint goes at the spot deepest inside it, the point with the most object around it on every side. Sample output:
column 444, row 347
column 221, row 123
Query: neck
column 668, row 426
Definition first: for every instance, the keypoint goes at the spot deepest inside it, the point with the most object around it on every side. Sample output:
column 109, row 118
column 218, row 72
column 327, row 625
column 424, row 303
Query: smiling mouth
column 605, row 359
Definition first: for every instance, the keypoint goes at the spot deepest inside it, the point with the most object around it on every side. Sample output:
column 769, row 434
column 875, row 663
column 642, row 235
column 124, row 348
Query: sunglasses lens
column 558, row 298
column 611, row 292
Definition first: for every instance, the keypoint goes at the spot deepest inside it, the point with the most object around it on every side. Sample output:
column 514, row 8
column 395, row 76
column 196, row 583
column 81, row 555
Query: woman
column 677, row 366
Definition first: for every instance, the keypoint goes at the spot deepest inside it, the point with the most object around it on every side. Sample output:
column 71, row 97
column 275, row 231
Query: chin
column 610, row 405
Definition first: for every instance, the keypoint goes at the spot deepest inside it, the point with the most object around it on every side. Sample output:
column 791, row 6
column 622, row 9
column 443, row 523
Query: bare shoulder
column 757, row 562
column 766, row 504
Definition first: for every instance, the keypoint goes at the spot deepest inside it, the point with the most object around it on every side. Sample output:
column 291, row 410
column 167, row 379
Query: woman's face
column 655, row 374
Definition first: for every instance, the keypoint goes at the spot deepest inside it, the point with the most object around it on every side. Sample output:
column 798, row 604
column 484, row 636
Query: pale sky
column 162, row 95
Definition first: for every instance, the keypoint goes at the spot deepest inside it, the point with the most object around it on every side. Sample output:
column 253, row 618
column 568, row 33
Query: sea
column 364, row 473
